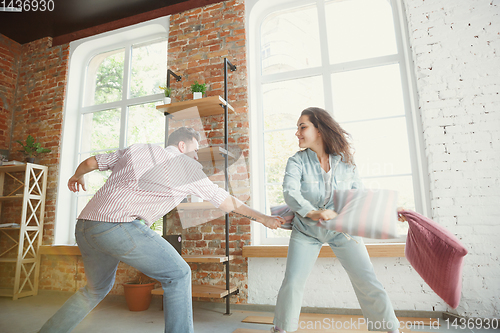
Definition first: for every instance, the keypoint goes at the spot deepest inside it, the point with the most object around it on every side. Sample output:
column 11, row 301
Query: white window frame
column 81, row 52
column 257, row 11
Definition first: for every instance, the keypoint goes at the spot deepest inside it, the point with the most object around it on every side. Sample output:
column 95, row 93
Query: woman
column 324, row 164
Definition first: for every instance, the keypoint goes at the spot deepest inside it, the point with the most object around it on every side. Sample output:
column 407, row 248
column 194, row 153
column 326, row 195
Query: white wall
column 456, row 53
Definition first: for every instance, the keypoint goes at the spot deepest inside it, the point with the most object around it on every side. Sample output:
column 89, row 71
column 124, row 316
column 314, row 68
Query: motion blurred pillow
column 285, row 212
column 365, row 213
column 437, row 255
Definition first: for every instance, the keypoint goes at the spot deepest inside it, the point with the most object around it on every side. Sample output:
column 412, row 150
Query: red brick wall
column 9, row 64
column 199, row 40
column 41, row 90
column 66, row 273
column 32, row 87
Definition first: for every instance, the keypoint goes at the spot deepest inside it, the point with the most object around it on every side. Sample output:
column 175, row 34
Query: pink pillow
column 437, row 255
column 365, row 213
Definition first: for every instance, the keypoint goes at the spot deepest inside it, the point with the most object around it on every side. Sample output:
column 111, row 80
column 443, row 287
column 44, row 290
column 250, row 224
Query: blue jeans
column 303, row 251
column 103, row 245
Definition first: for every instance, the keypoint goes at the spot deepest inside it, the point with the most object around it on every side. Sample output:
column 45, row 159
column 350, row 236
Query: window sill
column 61, row 250
column 393, row 250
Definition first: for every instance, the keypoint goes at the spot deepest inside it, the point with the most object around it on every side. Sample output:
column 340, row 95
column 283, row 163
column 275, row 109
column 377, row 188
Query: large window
column 113, row 90
column 348, row 57
column 119, row 105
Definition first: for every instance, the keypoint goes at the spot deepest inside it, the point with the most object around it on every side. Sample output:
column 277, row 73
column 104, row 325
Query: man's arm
column 231, row 204
column 78, row 179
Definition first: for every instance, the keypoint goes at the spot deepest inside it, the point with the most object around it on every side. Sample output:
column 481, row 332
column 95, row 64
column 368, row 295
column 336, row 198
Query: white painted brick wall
column 455, row 46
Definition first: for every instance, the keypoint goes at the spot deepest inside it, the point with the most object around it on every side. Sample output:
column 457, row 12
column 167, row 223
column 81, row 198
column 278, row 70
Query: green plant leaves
column 197, row 87
column 32, row 148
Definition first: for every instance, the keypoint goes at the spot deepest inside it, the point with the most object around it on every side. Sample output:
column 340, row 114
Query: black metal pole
column 167, row 116
column 226, row 136
column 226, row 185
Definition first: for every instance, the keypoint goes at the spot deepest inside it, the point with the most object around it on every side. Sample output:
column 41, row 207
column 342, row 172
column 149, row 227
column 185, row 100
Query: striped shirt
column 146, row 183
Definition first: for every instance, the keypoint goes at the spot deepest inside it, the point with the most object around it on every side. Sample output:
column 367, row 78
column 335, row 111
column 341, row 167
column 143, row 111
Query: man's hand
column 401, row 218
column 324, row 214
column 74, row 184
column 273, row 222
column 232, row 204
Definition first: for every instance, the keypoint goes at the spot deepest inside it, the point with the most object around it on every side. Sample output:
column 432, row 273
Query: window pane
column 100, row 130
column 82, row 201
column 290, row 40
column 145, row 124
column 149, row 69
column 359, row 29
column 280, row 145
column 402, row 184
column 381, row 147
column 105, row 78
column 93, row 182
column 284, row 101
column 367, row 93
column 274, row 195
column 278, row 233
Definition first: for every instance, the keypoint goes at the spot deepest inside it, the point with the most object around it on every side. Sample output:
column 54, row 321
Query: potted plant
column 198, row 89
column 31, row 149
column 167, row 91
column 138, row 293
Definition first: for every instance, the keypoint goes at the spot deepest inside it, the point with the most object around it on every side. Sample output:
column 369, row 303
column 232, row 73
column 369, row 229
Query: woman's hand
column 323, row 214
column 273, row 222
column 74, row 184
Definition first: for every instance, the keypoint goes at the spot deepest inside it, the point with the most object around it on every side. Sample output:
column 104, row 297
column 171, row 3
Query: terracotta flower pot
column 138, row 296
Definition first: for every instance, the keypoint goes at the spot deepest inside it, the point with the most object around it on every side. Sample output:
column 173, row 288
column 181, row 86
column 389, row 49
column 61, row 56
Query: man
column 146, row 183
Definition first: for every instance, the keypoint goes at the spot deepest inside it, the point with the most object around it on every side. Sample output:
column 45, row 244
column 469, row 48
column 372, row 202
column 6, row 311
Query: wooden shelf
column 213, row 154
column 11, row 197
column 10, row 228
column 27, row 228
column 204, row 291
column 207, row 106
column 24, row 261
column 8, row 259
column 12, row 168
column 207, row 258
column 28, row 236
column 6, row 292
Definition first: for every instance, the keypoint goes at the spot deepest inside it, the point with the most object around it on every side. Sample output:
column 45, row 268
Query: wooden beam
column 281, row 251
column 128, row 21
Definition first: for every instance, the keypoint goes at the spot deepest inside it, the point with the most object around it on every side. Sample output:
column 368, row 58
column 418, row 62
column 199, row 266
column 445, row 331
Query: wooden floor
column 328, row 323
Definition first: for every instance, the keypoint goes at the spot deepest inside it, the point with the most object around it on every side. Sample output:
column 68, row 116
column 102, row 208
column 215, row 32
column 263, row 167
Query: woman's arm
column 292, row 188
column 323, row 214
